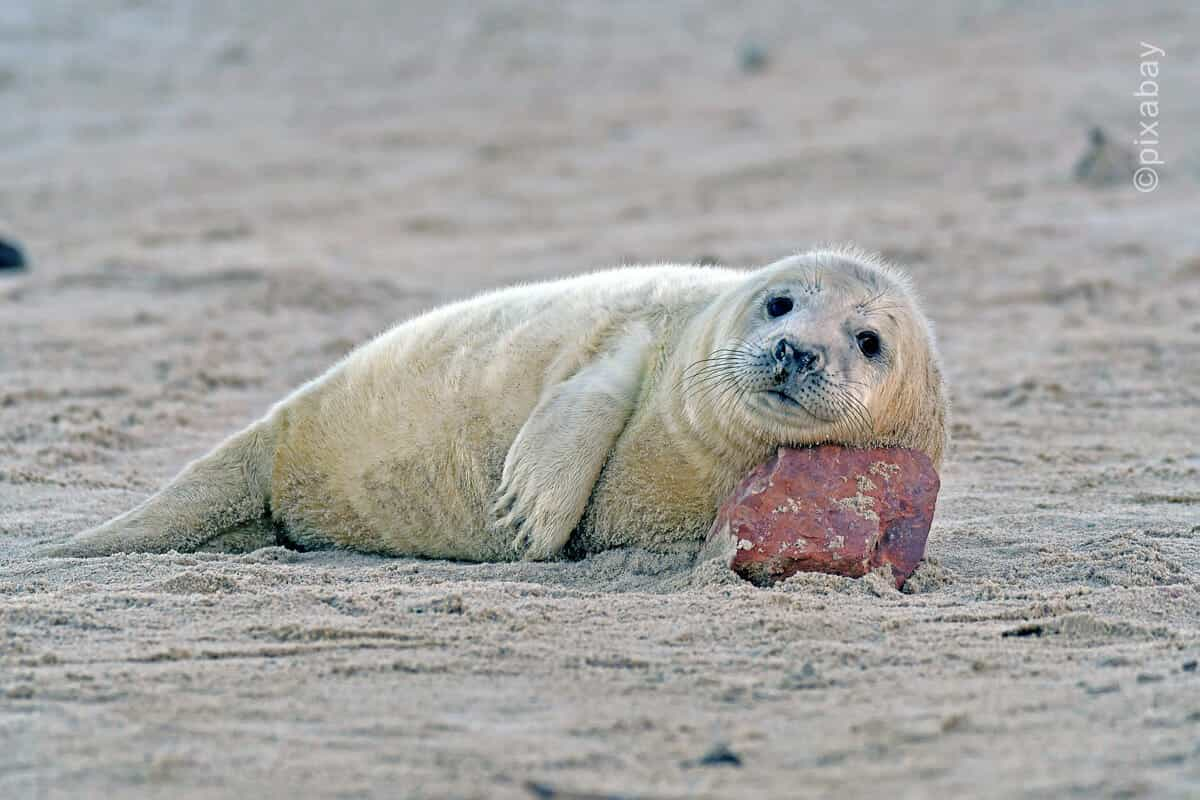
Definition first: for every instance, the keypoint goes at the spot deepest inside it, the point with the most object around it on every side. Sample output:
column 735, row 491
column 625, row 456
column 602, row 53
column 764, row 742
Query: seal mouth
column 780, row 402
column 780, row 396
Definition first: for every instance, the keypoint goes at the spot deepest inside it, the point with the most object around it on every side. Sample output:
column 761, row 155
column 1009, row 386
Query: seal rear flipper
column 222, row 490
column 246, row 537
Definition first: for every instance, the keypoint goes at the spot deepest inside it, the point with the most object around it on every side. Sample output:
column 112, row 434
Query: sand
column 220, row 199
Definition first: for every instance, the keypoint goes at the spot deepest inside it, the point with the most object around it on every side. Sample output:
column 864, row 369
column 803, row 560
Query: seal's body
column 620, row 407
column 401, row 448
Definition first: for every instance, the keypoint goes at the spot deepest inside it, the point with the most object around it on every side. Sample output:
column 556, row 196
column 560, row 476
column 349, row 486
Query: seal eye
column 778, row 306
column 868, row 343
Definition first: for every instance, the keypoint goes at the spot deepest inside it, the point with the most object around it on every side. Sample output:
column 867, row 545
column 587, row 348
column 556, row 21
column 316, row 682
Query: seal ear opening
column 226, row 490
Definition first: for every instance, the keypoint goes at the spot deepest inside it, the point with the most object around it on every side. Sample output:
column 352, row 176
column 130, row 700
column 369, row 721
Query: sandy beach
column 219, row 200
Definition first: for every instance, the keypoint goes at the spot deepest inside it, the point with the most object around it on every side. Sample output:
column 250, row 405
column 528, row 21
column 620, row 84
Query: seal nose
column 791, row 359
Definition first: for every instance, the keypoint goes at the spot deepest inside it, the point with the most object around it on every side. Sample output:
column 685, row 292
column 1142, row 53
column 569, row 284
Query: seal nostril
column 807, row 360
column 789, row 357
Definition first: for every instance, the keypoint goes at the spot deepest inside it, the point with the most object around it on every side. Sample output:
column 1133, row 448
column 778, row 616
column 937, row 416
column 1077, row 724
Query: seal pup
column 612, row 409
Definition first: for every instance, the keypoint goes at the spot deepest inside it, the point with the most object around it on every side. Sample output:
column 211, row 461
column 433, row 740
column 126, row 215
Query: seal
column 617, row 408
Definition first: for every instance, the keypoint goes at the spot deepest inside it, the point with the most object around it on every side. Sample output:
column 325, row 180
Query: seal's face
column 825, row 347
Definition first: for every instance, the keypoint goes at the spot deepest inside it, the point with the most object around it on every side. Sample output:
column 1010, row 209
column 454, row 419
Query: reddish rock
column 831, row 509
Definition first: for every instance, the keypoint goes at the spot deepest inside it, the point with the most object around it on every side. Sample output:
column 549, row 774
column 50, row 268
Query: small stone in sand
column 11, row 256
column 753, row 57
column 1103, row 162
column 719, row 755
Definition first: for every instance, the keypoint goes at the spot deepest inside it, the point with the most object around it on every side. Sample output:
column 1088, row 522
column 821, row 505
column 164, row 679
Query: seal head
column 829, row 346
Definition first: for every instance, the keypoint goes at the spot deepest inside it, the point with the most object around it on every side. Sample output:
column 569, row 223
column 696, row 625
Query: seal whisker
column 715, row 388
column 708, row 361
column 857, row 411
column 707, row 368
column 881, row 309
column 735, row 398
column 719, row 367
column 698, row 386
column 701, row 379
column 723, row 365
column 711, row 363
column 728, row 381
column 875, row 298
column 717, row 355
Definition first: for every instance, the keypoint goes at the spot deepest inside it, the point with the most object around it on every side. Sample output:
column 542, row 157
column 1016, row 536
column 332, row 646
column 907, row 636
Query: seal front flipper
column 557, row 456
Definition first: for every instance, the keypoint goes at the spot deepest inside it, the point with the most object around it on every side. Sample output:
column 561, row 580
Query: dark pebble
column 11, row 256
column 1028, row 629
column 544, row 791
column 718, row 756
column 1105, row 688
column 753, row 58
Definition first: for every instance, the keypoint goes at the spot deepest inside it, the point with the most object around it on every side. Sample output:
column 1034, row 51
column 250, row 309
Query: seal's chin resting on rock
column 612, row 409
